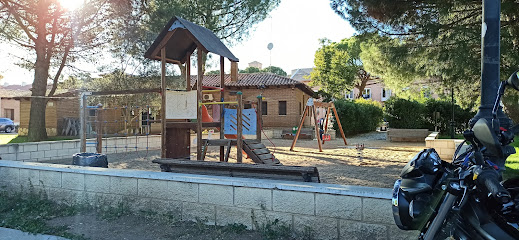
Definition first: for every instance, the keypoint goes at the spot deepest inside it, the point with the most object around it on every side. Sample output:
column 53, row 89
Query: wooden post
column 326, row 121
column 259, row 117
column 83, row 115
column 299, row 128
column 234, row 71
column 99, row 129
column 239, row 125
column 222, row 96
column 163, row 104
column 199, row 84
column 188, row 72
column 317, row 135
column 339, row 123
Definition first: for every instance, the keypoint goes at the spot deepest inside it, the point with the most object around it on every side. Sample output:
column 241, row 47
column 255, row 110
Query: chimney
column 234, row 71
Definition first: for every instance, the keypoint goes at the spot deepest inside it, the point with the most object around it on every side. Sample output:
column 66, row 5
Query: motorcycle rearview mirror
column 485, row 134
column 513, row 80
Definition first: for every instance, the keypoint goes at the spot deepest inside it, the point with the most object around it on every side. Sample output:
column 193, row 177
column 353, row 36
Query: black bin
column 90, row 160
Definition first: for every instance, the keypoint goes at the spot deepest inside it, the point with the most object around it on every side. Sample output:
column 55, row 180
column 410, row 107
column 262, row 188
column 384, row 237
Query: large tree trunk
column 364, row 78
column 37, row 128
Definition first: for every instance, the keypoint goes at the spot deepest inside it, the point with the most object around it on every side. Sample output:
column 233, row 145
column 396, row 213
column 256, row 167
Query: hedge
column 403, row 113
column 358, row 116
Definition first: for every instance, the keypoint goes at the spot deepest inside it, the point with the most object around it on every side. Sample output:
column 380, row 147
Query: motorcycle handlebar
column 490, row 179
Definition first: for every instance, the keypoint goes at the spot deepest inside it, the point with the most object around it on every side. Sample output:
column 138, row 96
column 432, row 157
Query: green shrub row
column 403, row 113
column 358, row 116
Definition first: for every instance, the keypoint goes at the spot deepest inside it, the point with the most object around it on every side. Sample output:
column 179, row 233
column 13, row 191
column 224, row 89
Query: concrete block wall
column 43, row 151
column 331, row 211
column 444, row 147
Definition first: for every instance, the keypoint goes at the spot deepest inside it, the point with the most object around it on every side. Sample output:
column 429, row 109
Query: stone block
column 377, row 211
column 196, row 212
column 123, row 186
column 30, row 147
column 24, row 156
column 36, row 155
column 353, row 230
column 43, row 146
column 345, row 207
column 256, row 198
column 8, row 174
column 50, row 179
column 69, row 145
column 9, row 156
column 215, row 194
column 229, row 215
column 14, row 148
column 153, row 188
column 261, row 219
column 293, row 202
column 181, row 191
column 29, row 177
column 56, row 145
column 97, row 183
column 312, row 227
column 396, row 233
column 51, row 153
column 73, row 181
column 4, row 149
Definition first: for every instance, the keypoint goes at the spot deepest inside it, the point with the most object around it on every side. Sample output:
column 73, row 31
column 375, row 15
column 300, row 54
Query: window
column 366, row 94
column 282, row 107
column 247, row 106
column 349, row 95
column 386, row 93
column 9, row 113
column 264, row 108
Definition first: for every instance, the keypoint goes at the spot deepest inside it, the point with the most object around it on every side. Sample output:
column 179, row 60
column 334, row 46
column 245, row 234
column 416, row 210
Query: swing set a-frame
column 310, row 107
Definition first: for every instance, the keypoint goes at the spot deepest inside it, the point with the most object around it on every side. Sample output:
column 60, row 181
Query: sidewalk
column 9, row 234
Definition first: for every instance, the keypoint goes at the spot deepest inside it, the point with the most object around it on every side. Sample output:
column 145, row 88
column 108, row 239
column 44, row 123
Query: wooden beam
column 125, row 92
column 339, row 123
column 163, row 104
column 222, row 107
column 188, row 72
column 99, row 130
column 239, row 130
column 234, row 71
column 199, row 80
column 162, row 45
column 299, row 129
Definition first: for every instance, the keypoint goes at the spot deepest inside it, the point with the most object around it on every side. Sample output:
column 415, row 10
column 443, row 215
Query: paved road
column 9, row 234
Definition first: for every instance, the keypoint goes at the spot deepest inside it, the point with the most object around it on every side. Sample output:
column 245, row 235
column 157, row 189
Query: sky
column 294, row 28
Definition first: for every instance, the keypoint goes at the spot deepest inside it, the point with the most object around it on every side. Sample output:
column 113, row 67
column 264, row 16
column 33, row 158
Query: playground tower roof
column 182, row 37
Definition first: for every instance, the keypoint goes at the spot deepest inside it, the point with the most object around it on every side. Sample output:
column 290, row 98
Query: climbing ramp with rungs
column 259, row 153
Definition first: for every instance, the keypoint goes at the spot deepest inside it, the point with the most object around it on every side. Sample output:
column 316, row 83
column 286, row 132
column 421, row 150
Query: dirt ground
column 379, row 163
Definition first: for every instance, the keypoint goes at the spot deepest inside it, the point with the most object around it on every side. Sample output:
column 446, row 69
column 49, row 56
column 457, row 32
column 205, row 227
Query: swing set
column 310, row 108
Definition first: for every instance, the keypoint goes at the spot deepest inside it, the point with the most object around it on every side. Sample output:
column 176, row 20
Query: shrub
column 358, row 116
column 444, row 108
column 403, row 113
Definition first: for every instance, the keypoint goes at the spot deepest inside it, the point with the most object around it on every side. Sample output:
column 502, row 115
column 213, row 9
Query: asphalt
column 10, row 234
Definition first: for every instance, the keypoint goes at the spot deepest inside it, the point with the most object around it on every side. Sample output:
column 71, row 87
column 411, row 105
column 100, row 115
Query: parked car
column 7, row 125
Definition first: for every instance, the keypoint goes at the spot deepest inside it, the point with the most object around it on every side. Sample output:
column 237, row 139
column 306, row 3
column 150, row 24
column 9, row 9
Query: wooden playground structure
column 310, row 108
column 175, row 44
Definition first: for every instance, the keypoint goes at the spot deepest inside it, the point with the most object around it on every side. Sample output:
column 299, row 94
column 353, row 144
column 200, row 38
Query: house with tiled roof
column 9, row 106
column 284, row 98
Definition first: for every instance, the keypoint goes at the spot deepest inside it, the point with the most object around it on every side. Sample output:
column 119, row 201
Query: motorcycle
column 465, row 198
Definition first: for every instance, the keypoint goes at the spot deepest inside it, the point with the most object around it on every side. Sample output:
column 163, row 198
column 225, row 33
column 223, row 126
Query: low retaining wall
column 407, row 135
column 42, row 151
column 331, row 211
column 444, row 147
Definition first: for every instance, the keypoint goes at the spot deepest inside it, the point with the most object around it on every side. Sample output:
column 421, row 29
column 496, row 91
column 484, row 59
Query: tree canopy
column 276, row 70
column 250, row 70
column 436, row 40
column 339, row 67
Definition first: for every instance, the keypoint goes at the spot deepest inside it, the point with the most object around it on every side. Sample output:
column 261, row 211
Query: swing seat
column 327, row 137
